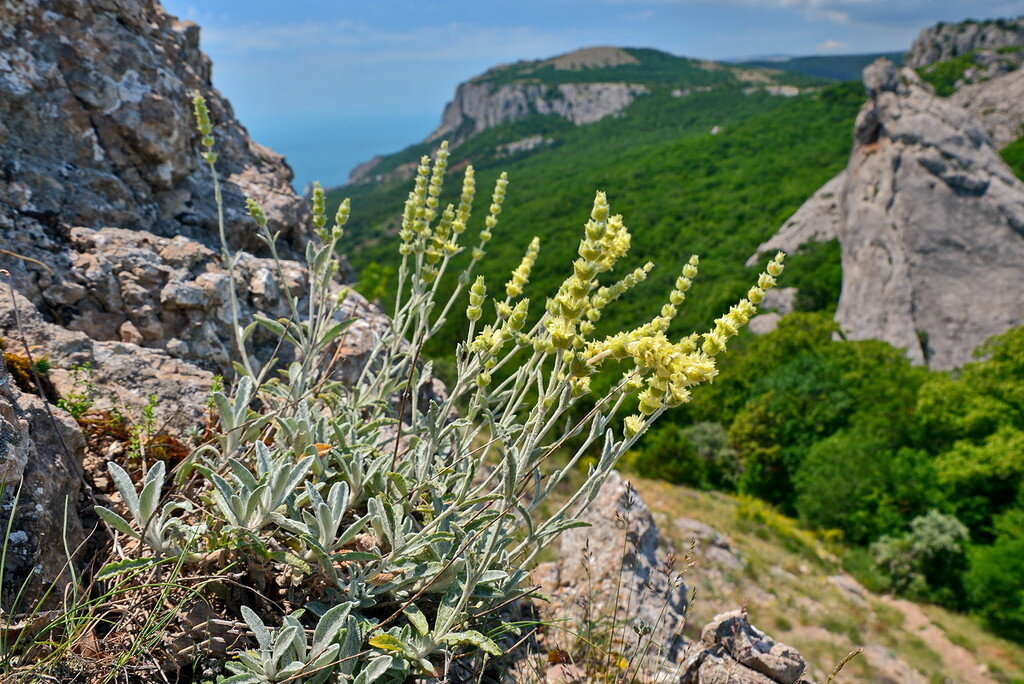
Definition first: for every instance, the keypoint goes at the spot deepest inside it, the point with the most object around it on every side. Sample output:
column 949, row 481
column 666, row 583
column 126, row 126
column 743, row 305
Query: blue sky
column 330, row 83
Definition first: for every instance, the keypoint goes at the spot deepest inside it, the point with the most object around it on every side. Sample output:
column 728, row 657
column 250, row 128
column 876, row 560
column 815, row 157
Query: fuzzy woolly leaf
column 125, row 487
column 388, row 642
column 259, row 629
column 116, row 521
column 472, row 637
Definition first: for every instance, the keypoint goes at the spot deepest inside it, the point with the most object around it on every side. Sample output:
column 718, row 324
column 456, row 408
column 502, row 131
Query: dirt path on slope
column 959, row 664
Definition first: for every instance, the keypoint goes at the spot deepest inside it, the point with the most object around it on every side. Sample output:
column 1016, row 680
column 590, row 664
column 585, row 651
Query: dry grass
column 788, row 584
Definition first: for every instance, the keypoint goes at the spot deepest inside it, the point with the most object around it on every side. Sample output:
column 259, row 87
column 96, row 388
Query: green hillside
column 681, row 189
column 832, row 67
column 652, row 68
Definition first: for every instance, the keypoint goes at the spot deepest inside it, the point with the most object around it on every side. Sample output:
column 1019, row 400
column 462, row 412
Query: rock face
column 96, row 128
column 931, row 224
column 816, row 221
column 945, row 41
column 619, row 555
column 996, row 105
column 110, row 249
column 622, row 557
column 479, row 105
column 41, row 450
column 124, row 375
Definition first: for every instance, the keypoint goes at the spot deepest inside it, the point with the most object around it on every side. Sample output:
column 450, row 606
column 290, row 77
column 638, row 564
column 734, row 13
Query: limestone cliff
column 931, row 224
column 945, row 41
column 479, row 105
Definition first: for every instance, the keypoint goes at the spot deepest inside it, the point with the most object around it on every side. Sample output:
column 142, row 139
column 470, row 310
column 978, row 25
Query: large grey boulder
column 930, row 220
column 620, row 565
column 932, row 228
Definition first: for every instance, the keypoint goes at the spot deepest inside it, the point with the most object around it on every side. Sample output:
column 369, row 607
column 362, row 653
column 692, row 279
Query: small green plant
column 80, row 398
column 161, row 528
column 42, row 365
column 287, row 655
column 140, row 433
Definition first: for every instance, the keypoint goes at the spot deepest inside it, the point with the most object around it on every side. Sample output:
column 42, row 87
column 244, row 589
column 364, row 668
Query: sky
column 331, row 83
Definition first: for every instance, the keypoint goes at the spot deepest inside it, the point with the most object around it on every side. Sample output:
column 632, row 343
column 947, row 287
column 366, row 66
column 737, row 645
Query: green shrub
column 928, row 561
column 995, row 582
column 668, row 455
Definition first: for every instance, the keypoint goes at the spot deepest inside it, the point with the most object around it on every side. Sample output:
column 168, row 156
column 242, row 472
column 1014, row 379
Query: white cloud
column 357, row 43
column 832, row 44
column 874, row 12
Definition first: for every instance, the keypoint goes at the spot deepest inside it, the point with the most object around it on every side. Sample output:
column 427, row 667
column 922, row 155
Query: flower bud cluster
column 489, row 343
column 317, row 203
column 521, row 274
column 341, row 218
column 728, row 325
column 436, row 183
column 678, row 295
column 477, row 293
column 465, row 201
column 605, row 241
column 256, row 212
column 497, row 199
column 413, row 223
column 205, row 126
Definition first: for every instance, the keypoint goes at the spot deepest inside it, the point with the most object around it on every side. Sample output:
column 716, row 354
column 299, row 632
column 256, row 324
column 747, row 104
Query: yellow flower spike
column 502, row 309
column 521, row 274
column 317, row 203
column 517, row 318
column 466, row 199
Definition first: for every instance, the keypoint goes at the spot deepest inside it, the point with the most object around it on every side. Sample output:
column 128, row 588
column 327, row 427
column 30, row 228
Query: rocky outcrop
column 96, row 127
column 620, row 555
column 931, row 225
column 480, row 104
column 41, row 449
column 996, row 105
column 619, row 570
column 110, row 253
column 945, row 41
column 732, row 651
column 123, row 376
